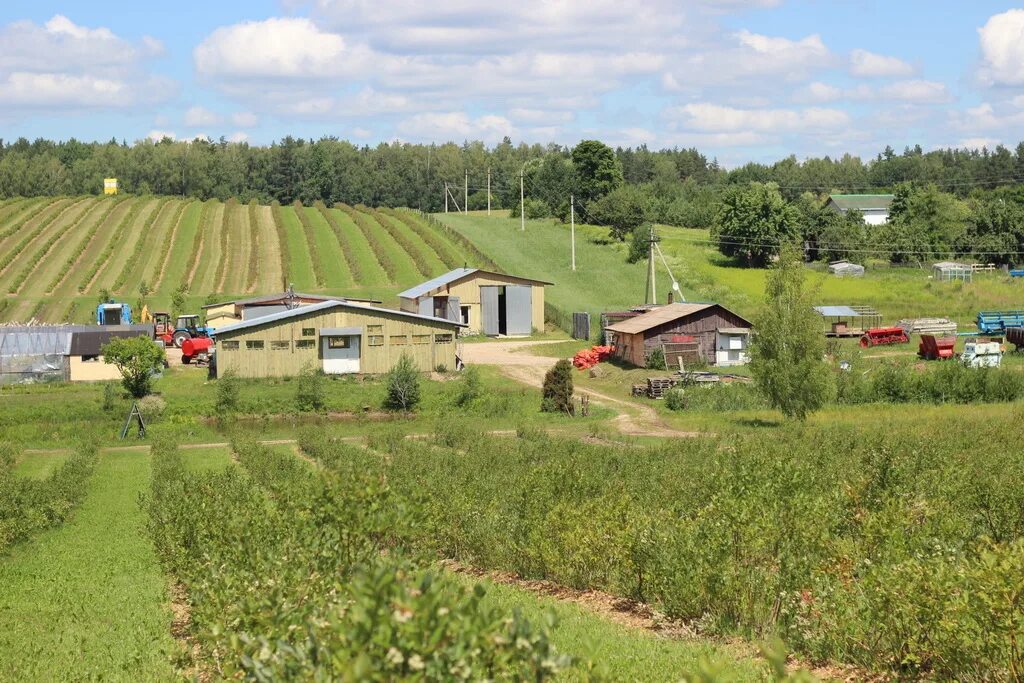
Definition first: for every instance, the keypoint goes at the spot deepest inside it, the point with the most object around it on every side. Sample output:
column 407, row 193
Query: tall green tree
column 787, row 348
column 753, row 222
column 598, row 172
column 138, row 359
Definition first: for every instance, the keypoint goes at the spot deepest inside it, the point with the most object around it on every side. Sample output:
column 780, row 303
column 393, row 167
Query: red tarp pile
column 588, row 358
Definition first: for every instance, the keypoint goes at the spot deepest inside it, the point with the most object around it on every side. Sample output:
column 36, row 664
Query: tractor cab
column 187, row 327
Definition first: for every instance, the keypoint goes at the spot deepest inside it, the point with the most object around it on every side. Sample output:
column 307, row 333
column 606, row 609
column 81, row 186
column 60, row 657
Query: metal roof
column 326, row 306
column 457, row 274
column 271, row 298
column 862, row 202
column 659, row 316
column 837, row 311
column 89, row 341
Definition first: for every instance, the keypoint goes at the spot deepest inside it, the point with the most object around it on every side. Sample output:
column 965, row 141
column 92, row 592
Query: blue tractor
column 111, row 313
column 188, row 327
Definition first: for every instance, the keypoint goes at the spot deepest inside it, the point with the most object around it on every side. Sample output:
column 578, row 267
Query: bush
column 228, row 390
column 556, row 396
column 470, row 388
column 309, row 391
column 152, row 407
column 138, row 359
column 656, row 359
column 675, row 399
column 403, row 385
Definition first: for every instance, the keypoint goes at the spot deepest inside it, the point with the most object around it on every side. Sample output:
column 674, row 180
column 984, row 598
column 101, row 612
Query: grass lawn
column 406, row 273
column 88, row 601
column 268, row 272
column 201, row 460
column 372, row 272
column 301, row 271
column 335, row 268
column 39, row 465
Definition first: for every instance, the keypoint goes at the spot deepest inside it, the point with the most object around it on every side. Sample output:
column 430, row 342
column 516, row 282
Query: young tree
column 623, row 210
column 227, row 394
column 471, row 387
column 598, row 172
column 787, row 349
column 138, row 359
column 178, row 301
column 556, row 396
column 403, row 385
column 309, row 393
column 753, row 222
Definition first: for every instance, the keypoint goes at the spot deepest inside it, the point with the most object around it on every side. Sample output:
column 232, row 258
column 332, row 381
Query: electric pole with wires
column 652, row 241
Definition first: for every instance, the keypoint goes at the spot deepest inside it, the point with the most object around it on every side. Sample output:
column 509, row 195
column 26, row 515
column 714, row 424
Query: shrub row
column 254, row 246
column 168, row 243
column 300, row 588
column 116, row 240
column 896, row 550
column 28, row 506
column 40, row 254
column 142, row 244
column 419, row 259
column 480, row 259
column 229, row 216
column 282, row 243
column 310, row 233
column 444, row 250
column 8, row 258
column 72, row 260
column 205, row 221
column 368, row 228
column 354, row 266
column 15, row 222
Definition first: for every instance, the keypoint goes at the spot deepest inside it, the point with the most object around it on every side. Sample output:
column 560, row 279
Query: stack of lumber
column 936, row 326
column 657, row 386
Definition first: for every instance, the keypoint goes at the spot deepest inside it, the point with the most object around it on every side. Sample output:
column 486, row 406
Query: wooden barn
column 716, row 335
column 494, row 304
column 338, row 337
column 225, row 313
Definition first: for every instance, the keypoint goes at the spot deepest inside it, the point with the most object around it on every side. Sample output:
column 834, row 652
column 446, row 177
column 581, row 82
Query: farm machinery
column 111, row 313
column 982, row 353
column 1015, row 335
column 997, row 322
column 186, row 327
column 878, row 336
column 933, row 347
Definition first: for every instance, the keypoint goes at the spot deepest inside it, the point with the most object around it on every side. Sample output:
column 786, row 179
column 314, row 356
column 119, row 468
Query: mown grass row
column 254, row 247
column 197, row 242
column 116, row 241
column 165, row 247
column 282, row 242
column 18, row 219
column 407, row 245
column 314, row 253
column 354, row 266
column 73, row 258
column 442, row 247
column 230, row 207
column 365, row 225
column 458, row 238
column 881, row 546
column 39, row 257
column 15, row 251
column 311, row 583
column 142, row 244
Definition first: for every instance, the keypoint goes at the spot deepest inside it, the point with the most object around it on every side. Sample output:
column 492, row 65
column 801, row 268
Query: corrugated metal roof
column 439, row 281
column 324, row 306
column 88, row 342
column 658, row 316
column 836, row 311
column 863, row 202
column 271, row 298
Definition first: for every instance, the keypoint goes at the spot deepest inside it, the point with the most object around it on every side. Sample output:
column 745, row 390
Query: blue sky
column 739, row 79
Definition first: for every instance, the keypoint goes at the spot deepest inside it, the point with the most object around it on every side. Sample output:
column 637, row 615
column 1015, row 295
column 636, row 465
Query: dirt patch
column 181, row 630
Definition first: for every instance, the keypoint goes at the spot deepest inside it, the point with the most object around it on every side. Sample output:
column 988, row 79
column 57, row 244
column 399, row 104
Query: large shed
column 337, row 337
column 721, row 336
column 874, row 208
column 484, row 301
column 85, row 359
column 225, row 313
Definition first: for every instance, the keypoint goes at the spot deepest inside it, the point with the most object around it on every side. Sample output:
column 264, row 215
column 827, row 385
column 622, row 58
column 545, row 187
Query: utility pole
column 572, row 228
column 522, row 201
column 651, row 242
column 465, row 194
column 488, row 191
column 446, row 196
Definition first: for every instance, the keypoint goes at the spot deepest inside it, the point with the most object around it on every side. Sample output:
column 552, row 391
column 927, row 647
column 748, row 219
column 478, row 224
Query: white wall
column 876, row 217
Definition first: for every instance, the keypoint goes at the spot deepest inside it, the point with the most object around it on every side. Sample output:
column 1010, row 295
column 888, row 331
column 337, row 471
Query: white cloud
column 158, row 135
column 1002, row 48
column 456, row 126
column 984, row 117
column 712, row 118
column 915, row 91
column 818, row 92
column 197, row 117
column 540, row 116
column 870, row 65
column 978, row 143
column 238, row 136
column 244, row 119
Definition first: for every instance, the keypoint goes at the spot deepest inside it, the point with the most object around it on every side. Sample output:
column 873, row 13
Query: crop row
column 72, row 260
column 39, row 257
column 230, row 206
column 407, row 245
column 116, row 240
column 895, row 554
column 8, row 258
column 17, row 220
column 142, row 244
column 354, row 266
column 282, row 242
column 298, row 587
column 458, row 238
column 197, row 243
column 366, row 226
column 167, row 245
column 441, row 247
column 314, row 253
column 28, row 506
column 254, row 247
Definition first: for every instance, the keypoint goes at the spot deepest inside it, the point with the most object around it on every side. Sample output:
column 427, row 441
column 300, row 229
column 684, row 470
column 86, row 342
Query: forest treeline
column 622, row 188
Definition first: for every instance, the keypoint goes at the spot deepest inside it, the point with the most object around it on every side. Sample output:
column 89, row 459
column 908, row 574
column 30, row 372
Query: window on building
column 305, row 344
column 464, row 312
column 442, row 338
column 399, row 340
column 90, row 359
column 308, row 331
column 421, row 339
column 254, row 344
column 229, row 345
column 280, row 345
column 375, row 340
column 339, row 342
column 375, row 329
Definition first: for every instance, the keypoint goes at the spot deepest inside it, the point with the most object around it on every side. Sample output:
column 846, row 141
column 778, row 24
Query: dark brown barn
column 719, row 334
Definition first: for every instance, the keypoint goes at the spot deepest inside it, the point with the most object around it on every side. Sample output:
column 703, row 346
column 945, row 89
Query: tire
column 180, row 337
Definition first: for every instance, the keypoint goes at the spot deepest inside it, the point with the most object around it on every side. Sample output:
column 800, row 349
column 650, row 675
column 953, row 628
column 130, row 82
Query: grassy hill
column 58, row 254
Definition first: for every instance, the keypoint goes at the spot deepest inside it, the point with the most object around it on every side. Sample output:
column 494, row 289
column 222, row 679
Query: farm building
column 85, row 363
column 848, row 321
column 714, row 334
column 339, row 337
column 951, row 270
column 484, row 301
column 56, row 353
column 873, row 207
column 846, row 269
column 230, row 312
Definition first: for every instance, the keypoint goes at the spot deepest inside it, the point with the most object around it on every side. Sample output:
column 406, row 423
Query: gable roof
column 862, row 202
column 271, row 298
column 454, row 275
column 662, row 315
column 326, row 306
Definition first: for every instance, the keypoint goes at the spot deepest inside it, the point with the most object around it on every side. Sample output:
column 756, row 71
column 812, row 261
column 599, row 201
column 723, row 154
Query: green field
column 58, row 254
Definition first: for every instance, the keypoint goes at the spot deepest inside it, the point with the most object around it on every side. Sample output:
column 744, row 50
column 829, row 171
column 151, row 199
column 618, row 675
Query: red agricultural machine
column 878, row 336
column 196, row 349
column 936, row 348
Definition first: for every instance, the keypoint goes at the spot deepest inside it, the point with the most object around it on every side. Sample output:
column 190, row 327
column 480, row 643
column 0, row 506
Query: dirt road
column 633, row 419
